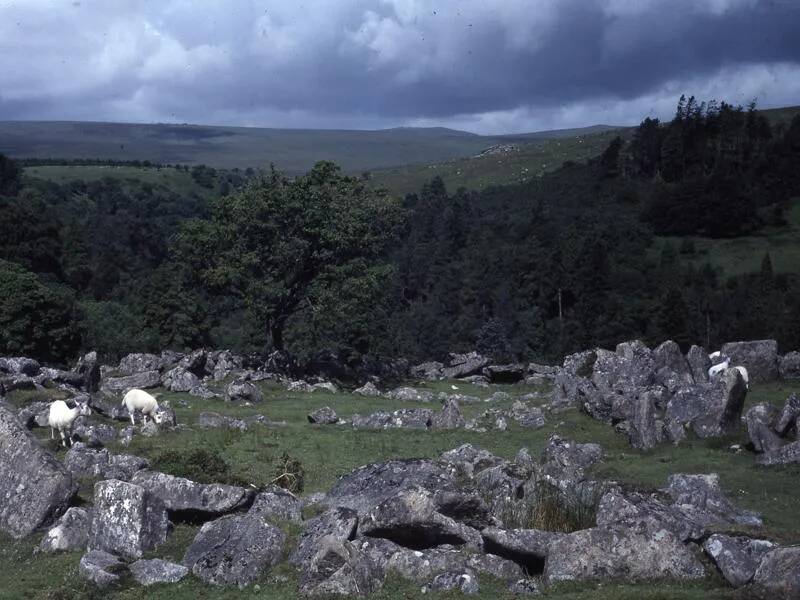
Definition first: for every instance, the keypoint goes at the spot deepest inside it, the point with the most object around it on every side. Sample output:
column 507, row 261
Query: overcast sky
column 480, row 65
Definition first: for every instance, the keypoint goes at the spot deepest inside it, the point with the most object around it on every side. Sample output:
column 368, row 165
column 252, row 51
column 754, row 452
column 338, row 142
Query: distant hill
column 292, row 150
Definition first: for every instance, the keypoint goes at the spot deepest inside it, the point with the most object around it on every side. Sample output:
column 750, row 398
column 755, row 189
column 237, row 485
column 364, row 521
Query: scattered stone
column 216, row 420
column 128, row 520
column 149, row 572
column 462, row 580
column 408, row 394
column 463, row 365
column 234, row 550
column 244, row 391
column 430, row 371
column 737, row 558
column 323, row 416
column 368, row 389
column 530, row 417
column 35, row 488
column 779, row 573
column 70, row 533
column 101, row 568
column 178, row 379
column 337, row 568
column 759, row 420
column 184, row 495
column 138, row 363
column 449, row 417
column 275, row 503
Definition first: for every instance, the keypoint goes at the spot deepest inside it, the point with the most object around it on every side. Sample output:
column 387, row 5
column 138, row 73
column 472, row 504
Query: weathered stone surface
column 564, row 460
column 411, row 418
column 368, row 486
column 463, row 365
column 699, row 363
column 789, row 414
column 759, row 420
column 179, row 494
column 530, row 417
column 70, row 533
column 789, row 366
column 759, row 357
column 378, row 420
column 234, row 550
column 368, row 389
column 178, row 379
column 712, row 409
column 618, row 507
column 128, row 520
column 225, row 364
column 643, row 433
column 34, row 414
column 89, row 368
column 195, row 362
column 467, row 460
column 19, row 365
column 337, row 568
column 430, row 371
column 101, row 568
column 93, row 434
column 276, row 503
column 149, row 572
column 449, row 417
column 513, row 373
column 632, row 364
column 779, row 573
column 785, row 455
column 243, row 391
column 214, row 420
column 138, row 363
column 668, row 355
column 339, row 523
column 527, row 547
column 700, row 498
column 462, row 580
column 83, row 461
column 411, row 519
column 114, row 386
column 633, row 553
column 737, row 558
column 35, row 488
column 409, row 394
column 323, row 416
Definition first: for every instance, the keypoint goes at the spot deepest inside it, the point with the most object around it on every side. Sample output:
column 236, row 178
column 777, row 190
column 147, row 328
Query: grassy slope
column 179, row 182
column 328, row 452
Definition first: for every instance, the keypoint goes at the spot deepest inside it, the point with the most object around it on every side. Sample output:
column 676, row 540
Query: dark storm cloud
column 478, row 65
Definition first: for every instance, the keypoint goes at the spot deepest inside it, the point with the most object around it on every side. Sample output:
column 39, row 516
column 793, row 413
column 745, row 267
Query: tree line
column 326, row 264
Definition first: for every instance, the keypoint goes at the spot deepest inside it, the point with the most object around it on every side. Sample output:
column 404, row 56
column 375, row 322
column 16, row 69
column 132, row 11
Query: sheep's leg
column 132, row 421
column 63, row 438
column 52, row 433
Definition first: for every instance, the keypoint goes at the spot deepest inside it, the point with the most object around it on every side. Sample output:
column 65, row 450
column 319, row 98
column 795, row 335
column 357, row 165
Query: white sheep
column 714, row 355
column 61, row 417
column 745, row 375
column 719, row 368
column 136, row 399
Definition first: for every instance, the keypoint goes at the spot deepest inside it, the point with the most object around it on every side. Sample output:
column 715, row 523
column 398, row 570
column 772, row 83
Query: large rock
column 337, row 568
column 759, row 420
column 225, row 364
column 234, row 550
column 430, row 371
column 179, row 379
column 779, row 573
column 644, row 433
column 35, row 488
column 789, row 415
column 156, row 570
column 699, row 363
column 115, row 386
column 526, row 547
column 368, row 486
column 184, row 495
column 411, row 418
column 565, row 461
column 463, row 365
column 128, row 520
column 88, row 367
column 467, row 460
column 631, row 365
column 737, row 558
column 323, row 416
column 449, row 417
column 409, row 394
column 70, row 533
column 701, row 498
column 789, row 366
column 630, row 552
column 668, row 356
column 785, row 455
column 626, row 507
column 101, row 568
column 277, row 503
column 411, row 519
column 338, row 523
column 713, row 409
column 34, row 414
column 243, row 391
column 530, row 417
column 19, row 365
column 368, row 389
column 214, row 420
column 138, row 363
column 759, row 357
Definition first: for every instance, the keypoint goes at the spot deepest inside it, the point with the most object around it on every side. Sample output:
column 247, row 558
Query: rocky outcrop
column 115, row 386
column 216, row 420
column 35, row 488
column 759, row 357
column 186, row 496
column 323, row 416
column 275, row 503
column 463, row 365
column 243, row 391
column 70, row 533
column 338, row 524
column 156, row 570
column 337, row 568
column 778, row 574
column 83, row 461
column 368, row 389
column 234, row 550
column 759, row 420
column 138, row 363
column 101, row 568
column 179, row 379
column 737, row 558
column 128, row 520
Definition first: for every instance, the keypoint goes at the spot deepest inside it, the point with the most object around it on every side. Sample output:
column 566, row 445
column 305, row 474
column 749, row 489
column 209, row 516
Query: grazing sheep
column 719, row 368
column 62, row 417
column 136, row 399
column 714, row 355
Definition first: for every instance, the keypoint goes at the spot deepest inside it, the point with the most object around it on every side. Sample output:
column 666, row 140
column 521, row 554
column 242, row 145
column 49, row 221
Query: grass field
column 328, row 452
column 741, row 255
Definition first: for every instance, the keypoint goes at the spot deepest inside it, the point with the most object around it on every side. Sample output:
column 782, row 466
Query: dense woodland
column 324, row 264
